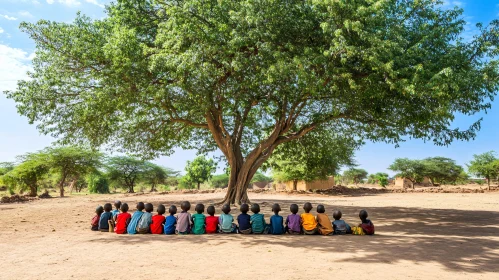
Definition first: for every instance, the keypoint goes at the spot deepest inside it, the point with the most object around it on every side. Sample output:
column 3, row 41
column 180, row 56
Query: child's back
column 211, row 220
column 244, row 220
column 122, row 220
column 293, row 221
column 96, row 218
column 340, row 227
column 170, row 221
column 144, row 224
column 132, row 226
column 257, row 220
column 366, row 227
column 226, row 221
column 324, row 224
column 308, row 222
column 158, row 220
column 276, row 221
column 105, row 218
column 184, row 219
column 198, row 220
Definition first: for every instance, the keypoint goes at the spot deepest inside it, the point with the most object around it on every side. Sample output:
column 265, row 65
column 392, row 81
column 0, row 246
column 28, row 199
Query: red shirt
column 121, row 223
column 211, row 224
column 95, row 221
column 157, row 224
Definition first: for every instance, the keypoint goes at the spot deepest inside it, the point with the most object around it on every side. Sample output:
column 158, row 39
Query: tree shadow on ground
column 460, row 240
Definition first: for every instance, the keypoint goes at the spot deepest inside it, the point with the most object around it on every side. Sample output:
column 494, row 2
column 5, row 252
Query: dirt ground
column 418, row 236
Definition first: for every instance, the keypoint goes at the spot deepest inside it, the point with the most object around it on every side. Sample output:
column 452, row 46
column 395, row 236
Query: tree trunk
column 61, row 184
column 153, row 188
column 32, row 191
column 295, row 185
column 199, row 184
column 488, row 183
column 130, row 189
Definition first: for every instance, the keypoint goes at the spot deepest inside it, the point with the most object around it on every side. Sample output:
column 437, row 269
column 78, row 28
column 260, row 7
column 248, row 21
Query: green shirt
column 198, row 223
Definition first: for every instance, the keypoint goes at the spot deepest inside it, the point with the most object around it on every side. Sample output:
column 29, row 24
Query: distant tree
column 97, row 183
column 155, row 175
column 411, row 169
column 125, row 171
column 248, row 76
column 28, row 174
column 441, row 170
column 485, row 165
column 72, row 163
column 200, row 170
column 318, row 155
column 355, row 175
column 260, row 177
column 219, row 181
column 378, row 178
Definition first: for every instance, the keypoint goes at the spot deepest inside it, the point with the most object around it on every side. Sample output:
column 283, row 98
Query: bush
column 97, row 184
column 185, row 184
column 219, row 181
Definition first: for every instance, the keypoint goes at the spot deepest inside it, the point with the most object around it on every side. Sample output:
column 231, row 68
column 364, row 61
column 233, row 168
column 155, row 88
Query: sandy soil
column 419, row 236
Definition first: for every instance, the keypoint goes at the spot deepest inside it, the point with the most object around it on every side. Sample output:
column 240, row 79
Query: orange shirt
column 325, row 225
column 308, row 221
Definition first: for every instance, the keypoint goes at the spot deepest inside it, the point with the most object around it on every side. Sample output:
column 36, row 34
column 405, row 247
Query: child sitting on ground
column 276, row 221
column 226, row 220
column 122, row 219
column 258, row 225
column 144, row 225
column 184, row 219
column 171, row 221
column 105, row 218
column 198, row 220
column 158, row 220
column 308, row 222
column 96, row 218
column 340, row 226
column 116, row 211
column 324, row 225
column 364, row 228
column 293, row 221
column 243, row 220
column 132, row 226
column 211, row 220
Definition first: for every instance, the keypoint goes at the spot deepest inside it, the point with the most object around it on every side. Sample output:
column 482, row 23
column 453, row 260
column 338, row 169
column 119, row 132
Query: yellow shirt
column 308, row 221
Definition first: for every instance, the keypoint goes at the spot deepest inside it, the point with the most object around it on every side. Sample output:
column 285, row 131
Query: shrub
column 97, row 184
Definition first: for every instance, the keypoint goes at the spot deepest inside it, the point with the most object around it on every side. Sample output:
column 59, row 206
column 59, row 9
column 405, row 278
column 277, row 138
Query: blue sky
column 16, row 50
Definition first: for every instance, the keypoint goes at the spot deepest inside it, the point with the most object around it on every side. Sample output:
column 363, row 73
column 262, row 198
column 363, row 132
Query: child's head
column 161, row 209
column 140, row 206
column 185, row 206
column 255, row 208
column 149, row 207
column 321, row 208
column 124, row 208
column 363, row 215
column 199, row 208
column 337, row 214
column 172, row 210
column 244, row 208
column 293, row 208
column 108, row 207
column 226, row 208
column 276, row 208
column 99, row 210
column 211, row 210
column 117, row 204
column 307, row 207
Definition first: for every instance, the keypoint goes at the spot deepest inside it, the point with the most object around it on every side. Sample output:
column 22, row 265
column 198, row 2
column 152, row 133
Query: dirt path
column 419, row 236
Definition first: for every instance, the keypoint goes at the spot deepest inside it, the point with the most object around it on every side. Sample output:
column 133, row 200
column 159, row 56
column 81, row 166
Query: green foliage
column 485, row 165
column 185, row 184
column 125, row 172
column 97, row 183
column 28, row 174
column 355, row 175
column 248, row 76
column 411, row 169
column 442, row 170
column 154, row 175
column 219, row 181
column 199, row 170
column 378, row 178
column 319, row 154
column 72, row 162
column 260, row 177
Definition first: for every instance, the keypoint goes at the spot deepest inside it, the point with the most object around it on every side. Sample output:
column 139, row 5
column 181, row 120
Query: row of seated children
column 141, row 222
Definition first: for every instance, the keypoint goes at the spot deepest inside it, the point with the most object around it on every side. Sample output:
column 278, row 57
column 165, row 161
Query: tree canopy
column 26, row 176
column 248, row 76
column 125, row 171
column 485, row 165
column 355, row 175
column 200, row 170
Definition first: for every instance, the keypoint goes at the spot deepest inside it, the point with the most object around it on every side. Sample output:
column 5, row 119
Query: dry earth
column 418, row 236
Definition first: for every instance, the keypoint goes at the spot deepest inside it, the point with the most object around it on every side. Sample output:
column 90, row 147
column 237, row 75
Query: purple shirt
column 293, row 222
column 183, row 222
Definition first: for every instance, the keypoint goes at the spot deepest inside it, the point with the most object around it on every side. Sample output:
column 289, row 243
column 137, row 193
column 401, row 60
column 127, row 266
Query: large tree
column 125, row 171
column 26, row 176
column 155, row 175
column 355, row 175
column 442, row 170
column 411, row 169
column 248, row 76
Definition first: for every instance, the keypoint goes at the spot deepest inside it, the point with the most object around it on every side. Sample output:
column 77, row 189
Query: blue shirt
column 145, row 221
column 225, row 221
column 340, row 227
column 257, row 223
column 104, row 218
column 132, row 226
column 170, row 223
column 244, row 221
column 276, row 226
column 115, row 212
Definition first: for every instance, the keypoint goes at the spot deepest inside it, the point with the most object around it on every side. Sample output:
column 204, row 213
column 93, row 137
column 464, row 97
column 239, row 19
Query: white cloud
column 7, row 17
column 25, row 14
column 1, row 30
column 65, row 2
column 95, row 2
column 14, row 63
